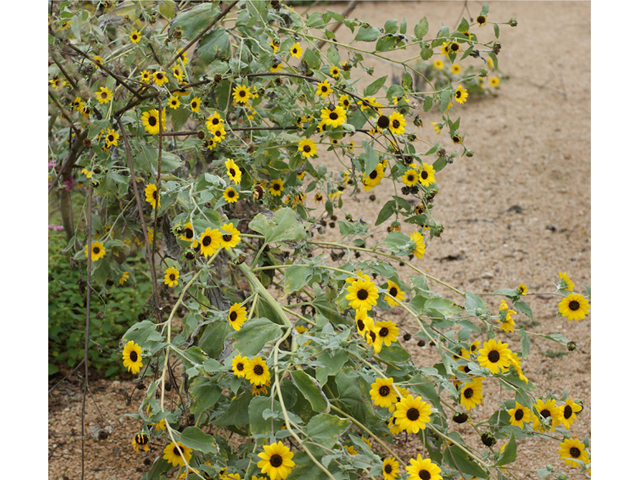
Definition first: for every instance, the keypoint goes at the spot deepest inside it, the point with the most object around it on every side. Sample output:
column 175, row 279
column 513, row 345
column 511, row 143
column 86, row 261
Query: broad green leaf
column 310, row 388
column 212, row 339
column 524, row 342
column 237, row 413
column 333, row 361
column 386, row 211
column 214, row 45
column 253, row 336
column 386, row 43
column 456, row 458
column 284, row 225
column 370, row 158
column 311, row 58
column 485, row 9
column 324, row 429
column 421, row 28
column 464, row 25
column 394, row 353
column 509, row 453
column 168, row 9
column 424, row 387
column 474, row 304
column 258, row 424
column 295, row 278
column 194, row 20
column 373, row 88
column 195, row 438
column 367, row 34
column 143, row 333
column 524, row 308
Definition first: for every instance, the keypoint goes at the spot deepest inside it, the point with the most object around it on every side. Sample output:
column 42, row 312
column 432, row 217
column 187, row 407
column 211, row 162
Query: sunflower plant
column 271, row 352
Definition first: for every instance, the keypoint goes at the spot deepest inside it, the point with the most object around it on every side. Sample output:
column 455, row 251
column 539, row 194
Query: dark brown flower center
column 110, row 138
column 96, row 250
column 323, row 88
column 481, row 19
column 172, row 277
column 206, row 241
column 410, row 177
column 519, row 414
column 275, row 460
column 104, row 94
column 360, row 325
column 218, row 133
column 455, row 47
column 155, row 194
column 345, row 102
column 188, row 233
column 373, row 175
column 545, row 413
column 306, row 148
column 393, row 291
column 384, row 331
column 240, row 366
column 363, row 294
column 384, row 391
column 574, row 305
column 276, row 186
column 242, row 93
column 215, row 121
column 568, row 411
column 494, row 356
column 152, row 120
column 258, row 370
column 396, row 123
column 159, row 76
column 424, row 175
column 133, row 356
column 424, row 475
column 458, row 93
column 388, row 468
column 294, row 51
column 231, row 193
column 177, row 451
column 468, row 392
column 333, row 116
column 575, row 452
column 413, row 414
column 383, row 121
column 194, row 104
column 233, row 315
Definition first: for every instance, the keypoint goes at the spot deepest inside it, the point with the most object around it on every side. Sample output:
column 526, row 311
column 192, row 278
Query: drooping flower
column 233, row 171
column 132, row 357
column 522, row 289
column 174, row 452
column 394, row 294
column 123, row 279
column 419, row 249
column 152, row 196
column 412, row 414
column 140, row 440
column 237, row 316
column 171, row 276
column 461, row 94
column 574, row 307
column 505, row 319
column 371, row 335
column 276, row 461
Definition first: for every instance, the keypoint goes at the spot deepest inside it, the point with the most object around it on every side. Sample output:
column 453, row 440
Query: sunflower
column 104, row 95
column 394, row 294
column 545, row 410
column 419, row 249
column 471, row 394
column 174, row 452
column 423, row 469
column 307, row 147
column 456, row 69
column 382, row 392
column 481, row 20
column 210, row 241
column 461, row 94
column 237, row 316
column 393, row 426
column 98, row 60
column 371, row 335
column 194, row 471
column 565, row 282
column 77, row 104
column 145, row 76
column 57, row 82
column 324, row 89
column 195, row 104
column 171, row 276
column 135, row 36
column 296, row 51
column 132, row 357
column 188, row 234
column 140, row 440
column 390, row 468
column 567, row 413
column 233, row 171
column 344, row 101
column 276, row 187
column 571, row 450
column 219, row 134
column 374, row 178
column 318, row 198
column 438, row 64
column 427, row 175
column 574, row 307
column 257, row 371
column 522, row 289
column 436, row 127
column 97, row 251
column 230, row 195
column 335, row 72
column 494, row 81
column 519, row 415
column 505, row 320
column 397, row 123
column 160, row 78
column 412, row 414
column 241, row 94
column 410, row 177
column 276, row 68
column 152, row 196
column 454, row 47
column 214, row 122
column 370, row 102
column 260, row 390
column 174, row 102
column 495, row 356
column 335, row 116
column 230, row 236
column 239, row 366
column 301, row 175
column 362, row 294
column 361, row 321
column 123, row 279
column 177, row 72
column 111, row 138
column 276, row 461
column 388, row 332
column 151, row 121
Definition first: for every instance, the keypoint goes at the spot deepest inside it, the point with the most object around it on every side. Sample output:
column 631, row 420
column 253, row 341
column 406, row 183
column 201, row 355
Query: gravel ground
column 532, row 150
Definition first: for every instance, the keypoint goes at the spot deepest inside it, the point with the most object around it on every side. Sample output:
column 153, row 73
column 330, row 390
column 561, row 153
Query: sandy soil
column 532, row 149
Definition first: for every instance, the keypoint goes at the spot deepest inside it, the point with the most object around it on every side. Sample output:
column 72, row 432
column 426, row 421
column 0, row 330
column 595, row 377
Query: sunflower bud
column 100, row 315
column 372, row 198
column 86, row 143
column 496, row 48
column 469, row 153
column 177, row 33
column 488, row 439
column 571, row 346
column 422, row 343
column 460, row 417
column 217, row 78
column 442, row 152
column 406, row 337
column 513, row 22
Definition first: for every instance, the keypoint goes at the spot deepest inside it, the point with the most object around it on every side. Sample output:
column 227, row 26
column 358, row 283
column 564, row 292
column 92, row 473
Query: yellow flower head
column 233, row 171
column 363, row 294
column 104, row 95
column 210, row 241
column 230, row 195
column 171, row 276
column 334, row 117
column 438, row 64
column 494, row 81
column 456, row 69
column 230, row 236
column 461, row 94
column 397, row 123
column 195, row 104
column 152, row 196
column 132, row 357
column 174, row 453
column 174, row 102
column 257, row 371
column 97, row 251
column 135, row 36
column 412, row 414
column 419, row 249
column 308, row 148
column 565, row 282
column 241, row 94
column 324, row 89
column 276, row 188
column 237, row 316
column 160, row 78
column 296, row 51
column 276, row 461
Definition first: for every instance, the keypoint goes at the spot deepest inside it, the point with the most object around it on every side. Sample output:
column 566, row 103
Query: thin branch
column 197, row 37
column 155, row 217
column 70, row 161
column 88, row 317
column 350, row 8
column 64, row 72
column 64, row 114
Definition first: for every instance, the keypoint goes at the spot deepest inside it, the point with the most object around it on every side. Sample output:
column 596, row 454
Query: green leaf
column 496, row 30
column 485, row 9
column 258, row 424
column 458, row 459
column 253, row 336
column 426, row 53
column 237, row 413
column 333, row 361
column 386, row 43
column 424, row 387
column 194, row 20
column 524, row 308
column 474, row 304
column 170, row 162
column 524, row 342
column 367, row 34
column 394, row 353
column 144, row 334
column 212, row 339
column 284, row 225
column 315, row 20
column 386, row 211
column 324, row 429
column 373, row 88
column 428, row 103
column 195, row 438
column 397, row 240
column 333, row 55
column 214, row 45
column 445, row 98
column 403, row 26
column 421, row 28
column 391, row 26
column 407, row 81
column 310, row 388
column 523, row 399
column 295, row 278
column 168, row 9
column 370, row 158
column 464, row 25
column 311, row 58
column 509, row 453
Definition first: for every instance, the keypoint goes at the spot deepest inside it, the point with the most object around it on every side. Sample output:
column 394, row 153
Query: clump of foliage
column 280, row 356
